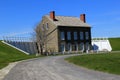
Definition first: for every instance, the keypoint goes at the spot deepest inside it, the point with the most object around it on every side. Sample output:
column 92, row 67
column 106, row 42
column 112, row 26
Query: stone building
column 67, row 33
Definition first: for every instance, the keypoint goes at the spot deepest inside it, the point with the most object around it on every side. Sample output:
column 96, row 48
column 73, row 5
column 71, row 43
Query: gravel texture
column 54, row 68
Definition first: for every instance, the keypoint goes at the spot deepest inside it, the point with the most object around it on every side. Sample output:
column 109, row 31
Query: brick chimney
column 82, row 18
column 52, row 15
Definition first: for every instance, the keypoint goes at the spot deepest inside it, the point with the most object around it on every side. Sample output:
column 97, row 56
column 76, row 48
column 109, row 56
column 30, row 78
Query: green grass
column 9, row 54
column 109, row 63
column 115, row 43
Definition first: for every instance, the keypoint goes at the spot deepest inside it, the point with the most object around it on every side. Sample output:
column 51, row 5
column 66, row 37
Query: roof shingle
column 68, row 21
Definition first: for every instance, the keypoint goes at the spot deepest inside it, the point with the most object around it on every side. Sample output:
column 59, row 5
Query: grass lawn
column 115, row 43
column 109, row 63
column 9, row 54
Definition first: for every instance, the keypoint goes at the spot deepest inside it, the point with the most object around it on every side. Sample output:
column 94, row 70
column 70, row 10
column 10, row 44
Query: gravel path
column 54, row 68
column 6, row 70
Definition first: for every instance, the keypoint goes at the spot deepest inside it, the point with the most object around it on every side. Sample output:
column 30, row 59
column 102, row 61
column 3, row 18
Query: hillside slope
column 9, row 54
column 115, row 43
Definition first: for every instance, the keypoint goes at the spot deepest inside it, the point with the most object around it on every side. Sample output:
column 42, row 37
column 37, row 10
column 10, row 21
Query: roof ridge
column 67, row 16
column 64, row 16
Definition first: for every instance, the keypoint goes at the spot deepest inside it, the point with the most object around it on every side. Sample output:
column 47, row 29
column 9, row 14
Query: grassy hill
column 115, row 43
column 9, row 54
column 109, row 62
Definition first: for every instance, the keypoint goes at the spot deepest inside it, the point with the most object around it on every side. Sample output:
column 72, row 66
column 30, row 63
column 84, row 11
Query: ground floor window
column 68, row 47
column 87, row 46
column 62, row 47
column 74, row 47
column 81, row 47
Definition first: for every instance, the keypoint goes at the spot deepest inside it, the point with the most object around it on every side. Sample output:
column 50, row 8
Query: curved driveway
column 54, row 68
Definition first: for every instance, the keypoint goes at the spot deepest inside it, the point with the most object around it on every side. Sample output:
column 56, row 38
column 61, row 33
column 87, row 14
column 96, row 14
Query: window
column 68, row 36
column 87, row 46
column 75, row 47
column 47, row 26
column 62, row 36
column 81, row 46
column 81, row 36
column 75, row 36
column 68, row 47
column 62, row 47
column 86, row 35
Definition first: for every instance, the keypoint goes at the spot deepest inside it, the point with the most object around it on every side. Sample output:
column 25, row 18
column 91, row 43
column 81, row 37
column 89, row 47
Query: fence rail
column 23, row 43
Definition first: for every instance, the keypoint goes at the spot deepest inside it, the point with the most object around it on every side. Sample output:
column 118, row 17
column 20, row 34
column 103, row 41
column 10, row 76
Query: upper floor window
column 68, row 35
column 75, row 36
column 47, row 26
column 81, row 36
column 86, row 35
column 62, row 35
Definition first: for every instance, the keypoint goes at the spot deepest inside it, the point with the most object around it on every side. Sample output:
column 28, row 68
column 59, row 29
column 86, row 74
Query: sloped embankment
column 9, row 54
column 115, row 43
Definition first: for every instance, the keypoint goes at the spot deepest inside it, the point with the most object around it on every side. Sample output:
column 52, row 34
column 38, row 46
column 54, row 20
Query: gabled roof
column 68, row 21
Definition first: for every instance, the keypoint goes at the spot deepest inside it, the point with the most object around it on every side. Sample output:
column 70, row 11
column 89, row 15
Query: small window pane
column 62, row 47
column 68, row 47
column 81, row 36
column 75, row 36
column 62, row 35
column 86, row 35
column 81, row 46
column 74, row 47
column 68, row 36
column 87, row 46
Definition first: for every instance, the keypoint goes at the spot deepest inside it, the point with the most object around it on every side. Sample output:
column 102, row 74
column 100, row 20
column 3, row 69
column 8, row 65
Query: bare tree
column 44, row 39
column 41, row 38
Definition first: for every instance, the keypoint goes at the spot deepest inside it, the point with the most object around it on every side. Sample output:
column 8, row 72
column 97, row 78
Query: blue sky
column 21, row 16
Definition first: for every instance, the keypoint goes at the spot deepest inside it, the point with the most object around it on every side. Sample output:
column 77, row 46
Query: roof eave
column 72, row 26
